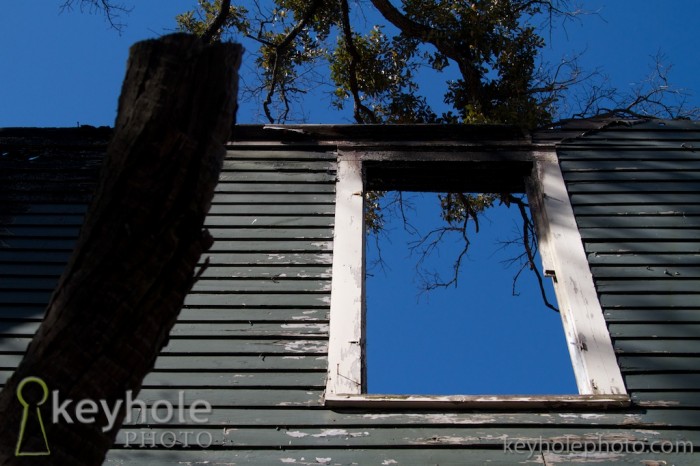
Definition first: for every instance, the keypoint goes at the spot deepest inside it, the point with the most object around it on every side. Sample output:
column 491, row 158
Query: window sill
column 530, row 402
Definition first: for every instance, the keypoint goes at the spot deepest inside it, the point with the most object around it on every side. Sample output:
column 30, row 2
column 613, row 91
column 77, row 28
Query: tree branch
column 359, row 107
column 279, row 50
column 444, row 42
column 527, row 230
column 213, row 31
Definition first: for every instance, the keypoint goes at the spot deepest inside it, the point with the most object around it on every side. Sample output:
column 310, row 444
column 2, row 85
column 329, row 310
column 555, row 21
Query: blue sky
column 61, row 69
column 476, row 338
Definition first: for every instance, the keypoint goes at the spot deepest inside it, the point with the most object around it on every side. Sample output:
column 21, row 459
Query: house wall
column 252, row 338
column 635, row 191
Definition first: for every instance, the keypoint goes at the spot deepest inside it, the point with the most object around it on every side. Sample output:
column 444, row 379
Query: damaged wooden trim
column 565, row 261
column 454, row 153
column 452, row 402
column 345, row 349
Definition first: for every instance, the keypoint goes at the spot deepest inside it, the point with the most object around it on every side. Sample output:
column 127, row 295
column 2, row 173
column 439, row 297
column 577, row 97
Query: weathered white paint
column 590, row 347
column 328, row 433
column 587, row 457
column 347, row 286
column 304, row 346
column 478, row 401
column 320, row 327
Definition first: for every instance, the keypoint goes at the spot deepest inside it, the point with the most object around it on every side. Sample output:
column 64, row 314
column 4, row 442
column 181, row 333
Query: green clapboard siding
column 638, row 209
column 252, row 339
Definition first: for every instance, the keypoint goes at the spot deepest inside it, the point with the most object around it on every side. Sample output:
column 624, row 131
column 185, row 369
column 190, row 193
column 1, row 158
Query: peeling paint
column 583, row 457
column 380, row 416
column 340, row 433
column 305, row 346
column 446, row 440
column 319, row 327
column 632, row 419
column 328, row 433
column 659, row 404
column 591, row 416
column 582, row 416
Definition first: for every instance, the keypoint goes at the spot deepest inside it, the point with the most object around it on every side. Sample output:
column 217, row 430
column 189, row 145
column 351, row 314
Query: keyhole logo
column 32, row 421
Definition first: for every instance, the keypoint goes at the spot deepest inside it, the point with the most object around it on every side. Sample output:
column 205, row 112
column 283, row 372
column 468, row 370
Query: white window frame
column 595, row 366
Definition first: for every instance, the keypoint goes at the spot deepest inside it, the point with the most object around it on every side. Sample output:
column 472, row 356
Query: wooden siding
column 636, row 196
column 252, row 339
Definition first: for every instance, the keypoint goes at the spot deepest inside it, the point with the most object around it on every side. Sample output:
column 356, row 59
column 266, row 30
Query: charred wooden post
column 134, row 263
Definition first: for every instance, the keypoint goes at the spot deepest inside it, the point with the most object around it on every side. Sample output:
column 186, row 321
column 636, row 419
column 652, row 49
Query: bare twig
column 528, row 236
column 112, row 11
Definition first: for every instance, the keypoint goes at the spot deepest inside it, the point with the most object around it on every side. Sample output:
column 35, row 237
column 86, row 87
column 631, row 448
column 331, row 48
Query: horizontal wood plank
column 272, row 209
column 373, row 456
column 663, row 315
column 638, row 209
column 271, row 245
column 247, row 346
column 656, row 346
column 274, row 163
column 319, row 300
column 637, row 300
column 273, row 188
column 626, row 234
column 277, row 258
column 640, row 221
column 657, row 330
column 631, row 176
column 276, row 284
column 252, row 234
column 677, row 286
column 250, row 314
column 280, row 153
column 635, row 198
column 277, row 199
column 271, row 221
column 625, row 254
column 437, row 435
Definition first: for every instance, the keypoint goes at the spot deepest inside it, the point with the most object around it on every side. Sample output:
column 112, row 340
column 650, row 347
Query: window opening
column 594, row 363
column 483, row 334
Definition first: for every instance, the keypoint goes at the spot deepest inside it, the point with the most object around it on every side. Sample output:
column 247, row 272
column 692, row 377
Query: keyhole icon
column 32, row 424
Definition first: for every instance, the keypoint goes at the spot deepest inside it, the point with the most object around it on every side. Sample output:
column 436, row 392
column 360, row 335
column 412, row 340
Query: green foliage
column 375, row 65
column 457, row 208
column 386, row 69
column 490, row 43
column 196, row 21
column 374, row 217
